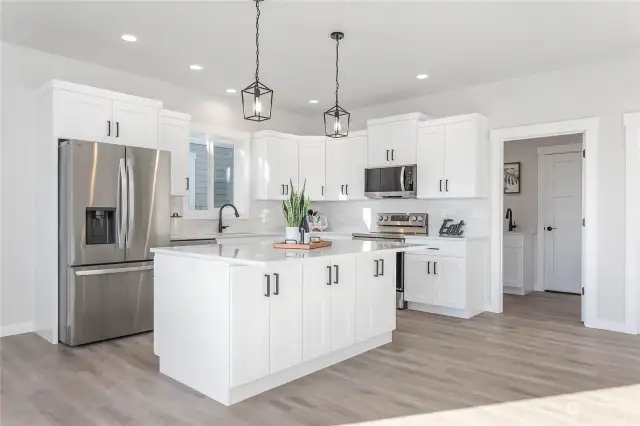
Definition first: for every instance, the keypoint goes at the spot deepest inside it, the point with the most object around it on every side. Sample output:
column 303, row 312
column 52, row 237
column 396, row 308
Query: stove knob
column 413, row 218
column 379, row 218
column 420, row 219
column 385, row 218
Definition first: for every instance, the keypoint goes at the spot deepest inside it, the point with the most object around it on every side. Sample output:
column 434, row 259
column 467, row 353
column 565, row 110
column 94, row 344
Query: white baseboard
column 19, row 328
column 620, row 327
column 440, row 310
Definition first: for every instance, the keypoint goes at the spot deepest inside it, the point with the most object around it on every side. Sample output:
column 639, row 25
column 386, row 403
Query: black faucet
column 512, row 223
column 220, row 227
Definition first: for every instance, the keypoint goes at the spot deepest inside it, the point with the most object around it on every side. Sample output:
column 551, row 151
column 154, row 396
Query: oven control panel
column 403, row 219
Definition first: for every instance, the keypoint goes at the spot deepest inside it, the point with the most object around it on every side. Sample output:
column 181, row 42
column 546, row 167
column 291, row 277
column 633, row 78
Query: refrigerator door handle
column 121, row 204
column 114, row 270
column 132, row 202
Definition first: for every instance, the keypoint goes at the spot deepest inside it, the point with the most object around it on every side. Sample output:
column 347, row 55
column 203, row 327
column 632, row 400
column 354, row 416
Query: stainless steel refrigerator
column 113, row 208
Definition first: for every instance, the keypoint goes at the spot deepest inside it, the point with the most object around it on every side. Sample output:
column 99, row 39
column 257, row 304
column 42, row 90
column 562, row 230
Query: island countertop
column 263, row 253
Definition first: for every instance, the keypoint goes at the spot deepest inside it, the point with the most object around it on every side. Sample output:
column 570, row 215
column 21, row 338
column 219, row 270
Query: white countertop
column 263, row 253
column 215, row 235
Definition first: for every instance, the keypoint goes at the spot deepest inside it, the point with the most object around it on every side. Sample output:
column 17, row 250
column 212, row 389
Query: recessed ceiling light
column 129, row 37
column 230, row 90
column 196, row 67
column 313, row 101
column 422, row 76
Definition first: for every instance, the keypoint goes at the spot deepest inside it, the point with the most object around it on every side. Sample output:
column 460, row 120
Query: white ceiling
column 386, row 43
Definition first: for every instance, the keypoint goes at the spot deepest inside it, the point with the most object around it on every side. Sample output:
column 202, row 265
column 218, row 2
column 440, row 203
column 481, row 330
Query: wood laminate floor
column 534, row 363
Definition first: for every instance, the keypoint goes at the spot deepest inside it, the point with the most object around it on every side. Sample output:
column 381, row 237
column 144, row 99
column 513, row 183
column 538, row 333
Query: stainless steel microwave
column 391, row 182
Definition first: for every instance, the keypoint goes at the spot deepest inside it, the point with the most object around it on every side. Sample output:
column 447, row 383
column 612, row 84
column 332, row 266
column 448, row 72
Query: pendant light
column 336, row 118
column 257, row 98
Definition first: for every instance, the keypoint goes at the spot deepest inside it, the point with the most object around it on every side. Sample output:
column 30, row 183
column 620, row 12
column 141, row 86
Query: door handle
column 377, row 267
column 114, row 270
column 268, row 292
column 346, row 189
column 108, row 127
column 435, row 271
column 393, row 155
column 429, row 267
column 402, row 178
column 287, row 188
column 382, row 267
column 117, row 129
column 342, row 189
column 387, row 155
column 337, row 279
column 122, row 207
column 440, row 185
column 187, row 183
column 329, row 268
column 277, row 290
column 446, row 185
column 549, row 228
column 132, row 202
column 322, row 189
column 281, row 189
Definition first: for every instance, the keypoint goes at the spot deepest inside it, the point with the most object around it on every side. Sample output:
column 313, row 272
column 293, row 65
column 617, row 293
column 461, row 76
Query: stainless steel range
column 395, row 227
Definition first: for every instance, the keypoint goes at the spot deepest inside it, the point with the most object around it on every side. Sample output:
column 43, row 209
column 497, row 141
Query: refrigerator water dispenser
column 101, row 225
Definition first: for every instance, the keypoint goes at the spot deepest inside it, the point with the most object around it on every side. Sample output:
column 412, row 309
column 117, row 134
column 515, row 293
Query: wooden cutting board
column 310, row 246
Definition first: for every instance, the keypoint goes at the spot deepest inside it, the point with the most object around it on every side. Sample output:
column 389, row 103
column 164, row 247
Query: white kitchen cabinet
column 328, row 306
column 452, row 157
column 392, row 140
column 174, row 128
column 345, row 165
column 136, row 125
column 83, row 116
column 275, row 164
column 447, row 277
column 375, row 295
column 311, row 166
column 266, row 321
column 518, row 261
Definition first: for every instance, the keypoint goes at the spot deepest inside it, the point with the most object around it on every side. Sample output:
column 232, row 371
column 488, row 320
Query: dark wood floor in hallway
column 537, row 348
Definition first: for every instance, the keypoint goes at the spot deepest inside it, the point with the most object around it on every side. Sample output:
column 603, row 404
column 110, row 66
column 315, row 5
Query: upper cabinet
column 345, row 164
column 275, row 164
column 311, row 166
column 453, row 157
column 392, row 140
column 88, row 113
column 173, row 135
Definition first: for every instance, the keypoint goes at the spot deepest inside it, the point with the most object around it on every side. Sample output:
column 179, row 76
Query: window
column 212, row 169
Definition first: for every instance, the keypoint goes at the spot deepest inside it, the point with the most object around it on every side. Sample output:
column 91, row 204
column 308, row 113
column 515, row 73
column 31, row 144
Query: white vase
column 292, row 233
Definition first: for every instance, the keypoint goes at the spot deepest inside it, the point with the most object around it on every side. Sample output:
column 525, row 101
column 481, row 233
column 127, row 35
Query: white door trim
column 632, row 277
column 538, row 285
column 589, row 128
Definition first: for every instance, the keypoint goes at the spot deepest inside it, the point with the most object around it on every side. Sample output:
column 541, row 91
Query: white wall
column 525, row 204
column 606, row 90
column 24, row 70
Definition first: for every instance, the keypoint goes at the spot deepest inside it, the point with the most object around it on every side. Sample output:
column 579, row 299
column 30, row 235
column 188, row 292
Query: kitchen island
column 235, row 320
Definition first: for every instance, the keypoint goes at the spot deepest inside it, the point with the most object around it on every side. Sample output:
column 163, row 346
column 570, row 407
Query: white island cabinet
column 234, row 320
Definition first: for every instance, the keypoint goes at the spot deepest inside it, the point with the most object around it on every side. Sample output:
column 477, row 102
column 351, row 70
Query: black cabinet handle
column 337, row 279
column 287, row 186
column 117, row 129
column 187, row 183
column 277, row 291
column 377, row 267
column 268, row 293
column 342, row 189
column 346, row 190
column 322, row 189
column 429, row 267
column 435, row 272
column 393, row 155
column 108, row 127
column 446, row 185
column 382, row 267
column 329, row 282
column 440, row 185
column 387, row 155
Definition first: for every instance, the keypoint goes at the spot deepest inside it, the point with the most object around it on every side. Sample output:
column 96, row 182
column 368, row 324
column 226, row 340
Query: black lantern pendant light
column 257, row 98
column 336, row 119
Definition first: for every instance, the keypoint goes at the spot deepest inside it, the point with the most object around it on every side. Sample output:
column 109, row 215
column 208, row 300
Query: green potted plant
column 295, row 209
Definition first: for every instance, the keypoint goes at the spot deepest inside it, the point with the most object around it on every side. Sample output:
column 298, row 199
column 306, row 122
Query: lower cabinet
column 266, row 321
column 375, row 295
column 328, row 306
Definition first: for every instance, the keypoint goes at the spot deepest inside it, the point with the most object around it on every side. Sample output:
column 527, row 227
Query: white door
column 402, row 142
column 174, row 137
column 249, row 325
column 379, row 139
column 85, row 117
column 136, row 125
column 343, row 292
column 282, row 160
column 311, row 168
column 430, row 161
column 418, row 279
column 563, row 222
column 355, row 163
column 316, row 309
column 449, row 275
column 460, row 159
column 336, row 169
column 285, row 311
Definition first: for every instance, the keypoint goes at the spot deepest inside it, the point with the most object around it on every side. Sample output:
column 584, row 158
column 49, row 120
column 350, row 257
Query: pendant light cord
column 257, row 39
column 337, row 67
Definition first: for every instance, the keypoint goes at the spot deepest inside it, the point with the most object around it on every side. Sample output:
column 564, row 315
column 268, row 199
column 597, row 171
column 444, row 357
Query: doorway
column 588, row 129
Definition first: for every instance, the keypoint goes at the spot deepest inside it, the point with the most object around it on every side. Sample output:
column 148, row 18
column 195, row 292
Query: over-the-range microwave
column 391, row 182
